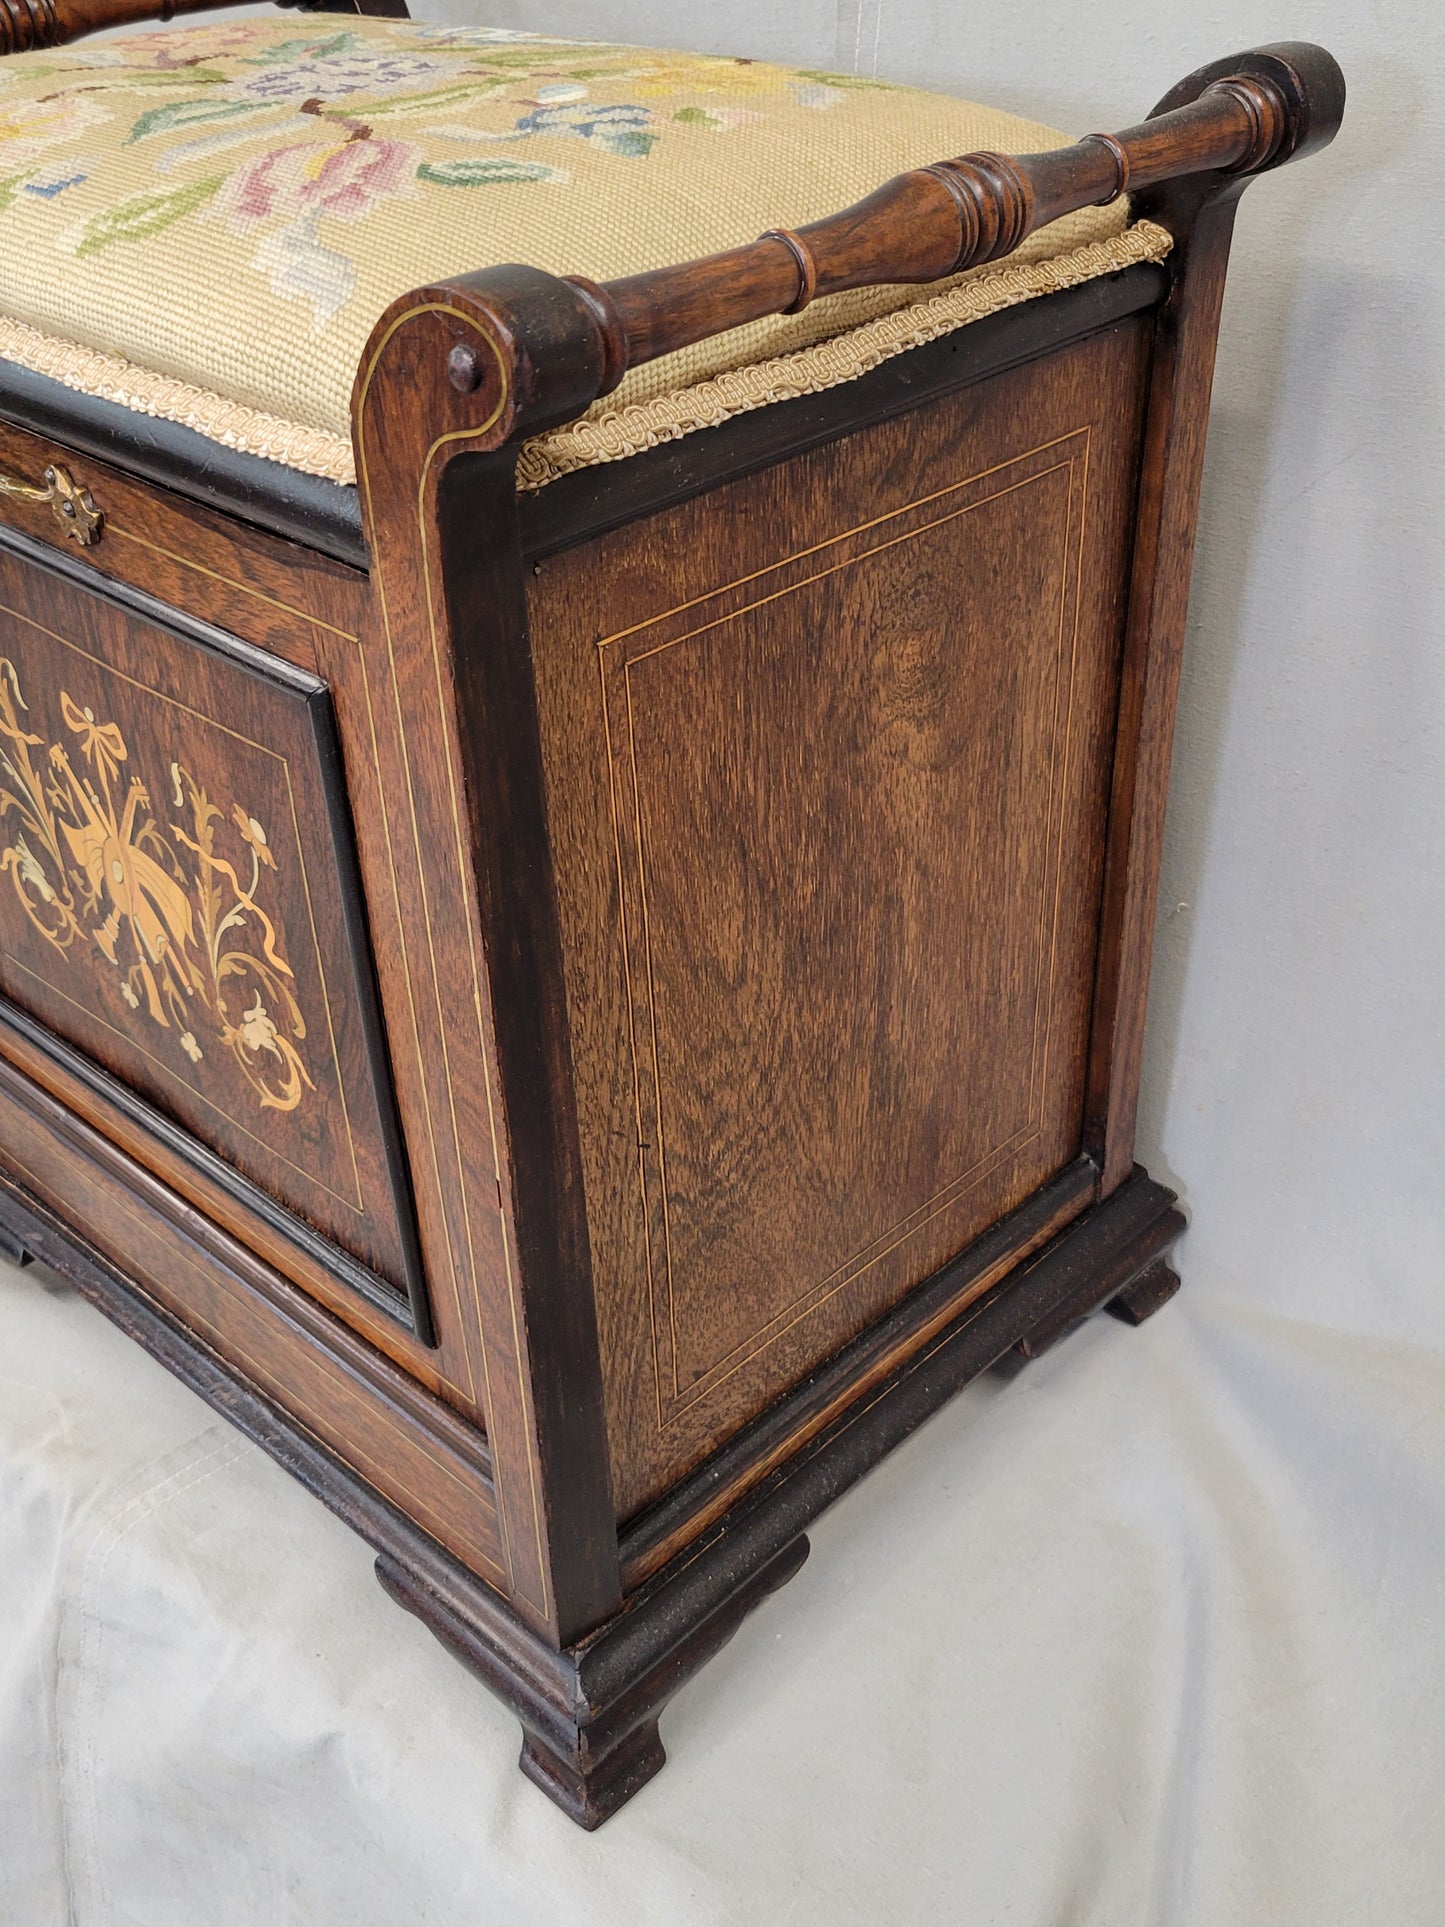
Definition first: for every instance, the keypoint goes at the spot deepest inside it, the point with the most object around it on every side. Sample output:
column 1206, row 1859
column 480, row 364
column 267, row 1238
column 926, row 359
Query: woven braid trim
column 314, row 451
column 620, row 432
column 614, row 434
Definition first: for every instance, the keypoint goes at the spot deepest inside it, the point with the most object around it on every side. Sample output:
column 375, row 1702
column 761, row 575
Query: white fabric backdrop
column 1151, row 1635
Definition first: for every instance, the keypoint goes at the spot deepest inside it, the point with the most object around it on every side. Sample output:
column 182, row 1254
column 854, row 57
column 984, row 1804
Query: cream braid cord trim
column 616, row 433
column 315, row 451
column 621, row 432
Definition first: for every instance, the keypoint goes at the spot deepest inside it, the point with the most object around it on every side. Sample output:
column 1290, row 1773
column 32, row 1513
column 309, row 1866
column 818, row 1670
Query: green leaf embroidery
column 9, row 188
column 696, row 116
column 424, row 103
column 523, row 60
column 306, row 48
column 486, row 172
column 188, row 113
column 177, row 77
column 144, row 214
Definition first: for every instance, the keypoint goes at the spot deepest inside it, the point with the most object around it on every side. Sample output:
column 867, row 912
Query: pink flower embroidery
column 345, row 181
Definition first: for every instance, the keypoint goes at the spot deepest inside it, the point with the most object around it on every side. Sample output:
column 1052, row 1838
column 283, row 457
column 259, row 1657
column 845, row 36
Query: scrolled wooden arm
column 27, row 25
column 1236, row 117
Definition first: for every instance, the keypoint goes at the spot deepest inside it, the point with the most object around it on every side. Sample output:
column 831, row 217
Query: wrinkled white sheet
column 1150, row 1635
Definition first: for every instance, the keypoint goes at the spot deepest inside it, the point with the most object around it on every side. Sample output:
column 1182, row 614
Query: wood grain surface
column 827, row 762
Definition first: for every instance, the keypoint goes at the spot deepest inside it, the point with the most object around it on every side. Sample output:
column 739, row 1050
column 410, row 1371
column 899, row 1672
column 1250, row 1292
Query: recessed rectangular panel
column 828, row 761
column 811, row 772
column 178, row 901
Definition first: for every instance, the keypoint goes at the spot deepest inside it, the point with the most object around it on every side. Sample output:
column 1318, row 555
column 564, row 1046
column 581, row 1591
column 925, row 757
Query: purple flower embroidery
column 336, row 76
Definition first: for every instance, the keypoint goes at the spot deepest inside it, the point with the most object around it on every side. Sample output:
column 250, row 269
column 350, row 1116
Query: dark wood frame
column 519, row 1566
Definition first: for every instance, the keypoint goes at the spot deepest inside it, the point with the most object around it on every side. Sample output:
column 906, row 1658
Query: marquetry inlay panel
column 177, row 895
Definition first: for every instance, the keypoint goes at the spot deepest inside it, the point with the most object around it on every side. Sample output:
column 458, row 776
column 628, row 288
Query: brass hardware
column 71, row 506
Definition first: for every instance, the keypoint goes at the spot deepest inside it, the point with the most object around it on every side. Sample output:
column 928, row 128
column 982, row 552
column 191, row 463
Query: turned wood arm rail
column 1236, row 117
column 1219, row 126
column 26, row 25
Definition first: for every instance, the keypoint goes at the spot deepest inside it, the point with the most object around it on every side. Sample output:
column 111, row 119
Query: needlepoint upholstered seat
column 206, row 223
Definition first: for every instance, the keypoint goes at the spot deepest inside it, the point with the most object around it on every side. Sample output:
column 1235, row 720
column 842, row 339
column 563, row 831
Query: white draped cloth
column 1151, row 1634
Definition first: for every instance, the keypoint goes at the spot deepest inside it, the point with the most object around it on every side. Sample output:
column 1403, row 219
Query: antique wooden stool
column 580, row 838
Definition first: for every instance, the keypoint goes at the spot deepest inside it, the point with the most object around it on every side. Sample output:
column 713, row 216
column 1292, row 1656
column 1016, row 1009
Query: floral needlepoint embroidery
column 621, row 130
column 294, row 186
column 29, row 127
column 305, row 143
column 342, row 74
column 492, row 170
column 814, row 93
column 344, row 180
column 55, row 179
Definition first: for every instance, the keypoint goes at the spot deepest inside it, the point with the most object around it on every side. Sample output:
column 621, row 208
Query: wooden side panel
column 828, row 757
column 178, row 897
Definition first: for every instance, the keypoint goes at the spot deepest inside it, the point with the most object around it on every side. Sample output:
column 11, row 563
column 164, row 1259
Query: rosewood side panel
column 828, row 757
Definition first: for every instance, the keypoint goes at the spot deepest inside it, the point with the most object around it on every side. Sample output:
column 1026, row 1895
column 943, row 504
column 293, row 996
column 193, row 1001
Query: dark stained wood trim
column 326, row 516
column 1236, row 118
column 129, row 1124
column 660, row 1532
column 304, row 509
column 592, row 501
column 378, row 1055
column 475, row 954
column 1176, row 421
column 29, row 24
column 281, row 597
column 333, row 1384
column 497, row 713
column 1199, row 211
column 590, row 1710
column 113, row 1099
column 412, row 1308
column 446, row 794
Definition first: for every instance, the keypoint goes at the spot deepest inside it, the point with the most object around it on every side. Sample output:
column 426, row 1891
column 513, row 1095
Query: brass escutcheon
column 71, row 506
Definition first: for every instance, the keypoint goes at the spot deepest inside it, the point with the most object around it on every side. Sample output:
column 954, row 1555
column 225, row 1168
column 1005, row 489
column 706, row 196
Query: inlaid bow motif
column 167, row 909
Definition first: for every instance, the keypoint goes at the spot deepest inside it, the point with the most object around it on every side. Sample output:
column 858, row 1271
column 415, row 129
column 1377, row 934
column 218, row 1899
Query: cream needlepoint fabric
column 204, row 225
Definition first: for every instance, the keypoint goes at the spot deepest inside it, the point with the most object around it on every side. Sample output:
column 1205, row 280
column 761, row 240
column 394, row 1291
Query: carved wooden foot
column 1135, row 1278
column 1151, row 1289
column 589, row 1712
column 590, row 1791
column 12, row 1248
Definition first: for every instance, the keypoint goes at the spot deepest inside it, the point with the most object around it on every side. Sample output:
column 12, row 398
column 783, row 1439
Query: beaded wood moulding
column 580, row 985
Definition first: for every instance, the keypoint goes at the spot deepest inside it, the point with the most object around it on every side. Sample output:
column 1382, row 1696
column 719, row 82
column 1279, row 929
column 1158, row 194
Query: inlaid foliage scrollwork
column 164, row 904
